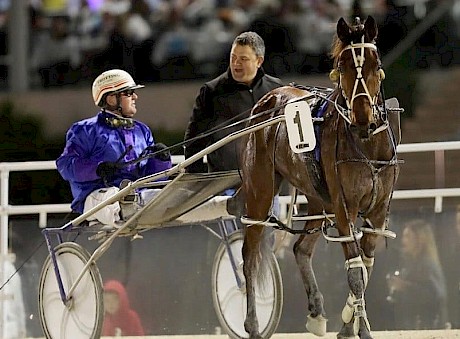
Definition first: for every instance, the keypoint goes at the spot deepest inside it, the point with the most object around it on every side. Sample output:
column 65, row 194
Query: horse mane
column 337, row 48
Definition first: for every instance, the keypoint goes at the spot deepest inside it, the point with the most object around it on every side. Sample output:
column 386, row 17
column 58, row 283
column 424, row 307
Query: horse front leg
column 251, row 247
column 376, row 220
column 354, row 315
column 303, row 251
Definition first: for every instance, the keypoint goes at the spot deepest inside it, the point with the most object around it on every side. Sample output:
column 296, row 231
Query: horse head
column 358, row 73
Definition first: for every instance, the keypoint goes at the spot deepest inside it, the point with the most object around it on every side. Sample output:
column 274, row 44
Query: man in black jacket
column 229, row 96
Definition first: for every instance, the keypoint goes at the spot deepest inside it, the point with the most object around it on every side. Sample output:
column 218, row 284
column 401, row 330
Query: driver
column 97, row 147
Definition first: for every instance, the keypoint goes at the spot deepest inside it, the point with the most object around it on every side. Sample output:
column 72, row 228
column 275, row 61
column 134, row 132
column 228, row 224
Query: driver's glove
column 163, row 152
column 106, row 170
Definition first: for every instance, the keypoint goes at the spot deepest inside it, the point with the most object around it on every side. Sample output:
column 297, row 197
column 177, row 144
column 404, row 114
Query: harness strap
column 354, row 236
column 385, row 233
column 274, row 222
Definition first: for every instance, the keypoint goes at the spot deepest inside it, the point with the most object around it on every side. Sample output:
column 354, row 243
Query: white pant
column 109, row 214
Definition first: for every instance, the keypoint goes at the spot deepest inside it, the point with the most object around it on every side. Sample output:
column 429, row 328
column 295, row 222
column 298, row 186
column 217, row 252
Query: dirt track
column 435, row 334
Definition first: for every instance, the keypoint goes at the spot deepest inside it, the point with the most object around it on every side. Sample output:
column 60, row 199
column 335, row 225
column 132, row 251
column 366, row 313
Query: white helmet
column 115, row 80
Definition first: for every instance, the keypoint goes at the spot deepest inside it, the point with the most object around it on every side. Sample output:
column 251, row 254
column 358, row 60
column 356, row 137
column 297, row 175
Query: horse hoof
column 365, row 335
column 316, row 325
column 347, row 332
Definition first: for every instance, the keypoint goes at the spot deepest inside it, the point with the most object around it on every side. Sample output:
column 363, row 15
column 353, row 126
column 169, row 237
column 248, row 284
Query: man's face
column 244, row 63
column 127, row 101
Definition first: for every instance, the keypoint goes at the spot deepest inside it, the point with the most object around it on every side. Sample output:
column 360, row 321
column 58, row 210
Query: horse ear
column 343, row 31
column 370, row 27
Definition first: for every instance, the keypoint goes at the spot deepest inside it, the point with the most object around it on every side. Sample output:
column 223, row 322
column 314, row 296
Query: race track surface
column 432, row 334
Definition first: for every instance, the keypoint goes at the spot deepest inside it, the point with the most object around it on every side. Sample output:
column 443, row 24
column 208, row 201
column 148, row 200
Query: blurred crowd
column 74, row 40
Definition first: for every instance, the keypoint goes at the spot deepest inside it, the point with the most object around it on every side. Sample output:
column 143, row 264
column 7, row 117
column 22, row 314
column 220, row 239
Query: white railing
column 44, row 209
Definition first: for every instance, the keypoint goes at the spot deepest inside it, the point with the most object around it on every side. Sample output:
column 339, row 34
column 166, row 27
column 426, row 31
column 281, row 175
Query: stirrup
column 385, row 233
column 356, row 235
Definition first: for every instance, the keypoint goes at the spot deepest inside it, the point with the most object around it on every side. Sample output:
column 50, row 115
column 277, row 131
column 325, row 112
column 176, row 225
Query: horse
column 353, row 177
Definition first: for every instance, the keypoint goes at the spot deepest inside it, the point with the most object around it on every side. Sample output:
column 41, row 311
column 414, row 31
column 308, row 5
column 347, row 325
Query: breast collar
column 116, row 121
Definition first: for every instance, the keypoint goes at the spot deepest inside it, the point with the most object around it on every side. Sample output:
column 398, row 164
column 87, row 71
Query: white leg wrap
column 357, row 262
column 368, row 261
column 348, row 309
column 355, row 308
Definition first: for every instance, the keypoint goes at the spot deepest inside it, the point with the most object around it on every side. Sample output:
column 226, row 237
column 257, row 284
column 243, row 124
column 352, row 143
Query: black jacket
column 218, row 101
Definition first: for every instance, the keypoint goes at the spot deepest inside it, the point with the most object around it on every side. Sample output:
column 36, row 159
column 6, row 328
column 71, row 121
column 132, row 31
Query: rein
column 223, row 126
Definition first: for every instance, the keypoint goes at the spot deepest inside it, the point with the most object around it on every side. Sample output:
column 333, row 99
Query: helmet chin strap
column 119, row 108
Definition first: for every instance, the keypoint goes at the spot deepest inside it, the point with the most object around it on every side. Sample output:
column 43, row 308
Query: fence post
column 4, row 187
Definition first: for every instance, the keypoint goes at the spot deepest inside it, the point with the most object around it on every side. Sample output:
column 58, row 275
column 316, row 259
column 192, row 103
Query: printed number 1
column 299, row 125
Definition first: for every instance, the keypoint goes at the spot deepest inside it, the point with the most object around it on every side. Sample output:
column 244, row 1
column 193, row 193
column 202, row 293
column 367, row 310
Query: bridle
column 336, row 76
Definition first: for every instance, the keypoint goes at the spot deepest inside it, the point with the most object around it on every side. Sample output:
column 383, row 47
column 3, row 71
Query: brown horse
column 353, row 178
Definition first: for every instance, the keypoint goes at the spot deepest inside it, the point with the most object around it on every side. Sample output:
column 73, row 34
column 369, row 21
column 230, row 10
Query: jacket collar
column 114, row 120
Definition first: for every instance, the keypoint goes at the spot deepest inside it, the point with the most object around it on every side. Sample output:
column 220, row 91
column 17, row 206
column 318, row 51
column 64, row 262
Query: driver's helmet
column 112, row 81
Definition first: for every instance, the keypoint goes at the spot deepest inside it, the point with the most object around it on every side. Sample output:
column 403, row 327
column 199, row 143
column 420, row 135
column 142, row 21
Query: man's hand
column 163, row 151
column 106, row 170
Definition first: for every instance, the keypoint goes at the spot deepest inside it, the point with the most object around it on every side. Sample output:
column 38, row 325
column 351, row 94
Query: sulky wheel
column 229, row 299
column 81, row 317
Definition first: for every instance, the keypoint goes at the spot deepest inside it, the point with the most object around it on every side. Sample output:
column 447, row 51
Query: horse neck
column 380, row 146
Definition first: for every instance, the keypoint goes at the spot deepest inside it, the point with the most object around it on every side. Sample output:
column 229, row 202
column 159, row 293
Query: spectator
column 15, row 326
column 88, row 26
column 120, row 319
column 317, row 19
column 56, row 52
column 392, row 25
column 139, row 35
column 95, row 146
column 4, row 23
column 418, row 289
column 229, row 96
column 118, row 49
column 449, row 252
column 271, row 25
column 172, row 53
